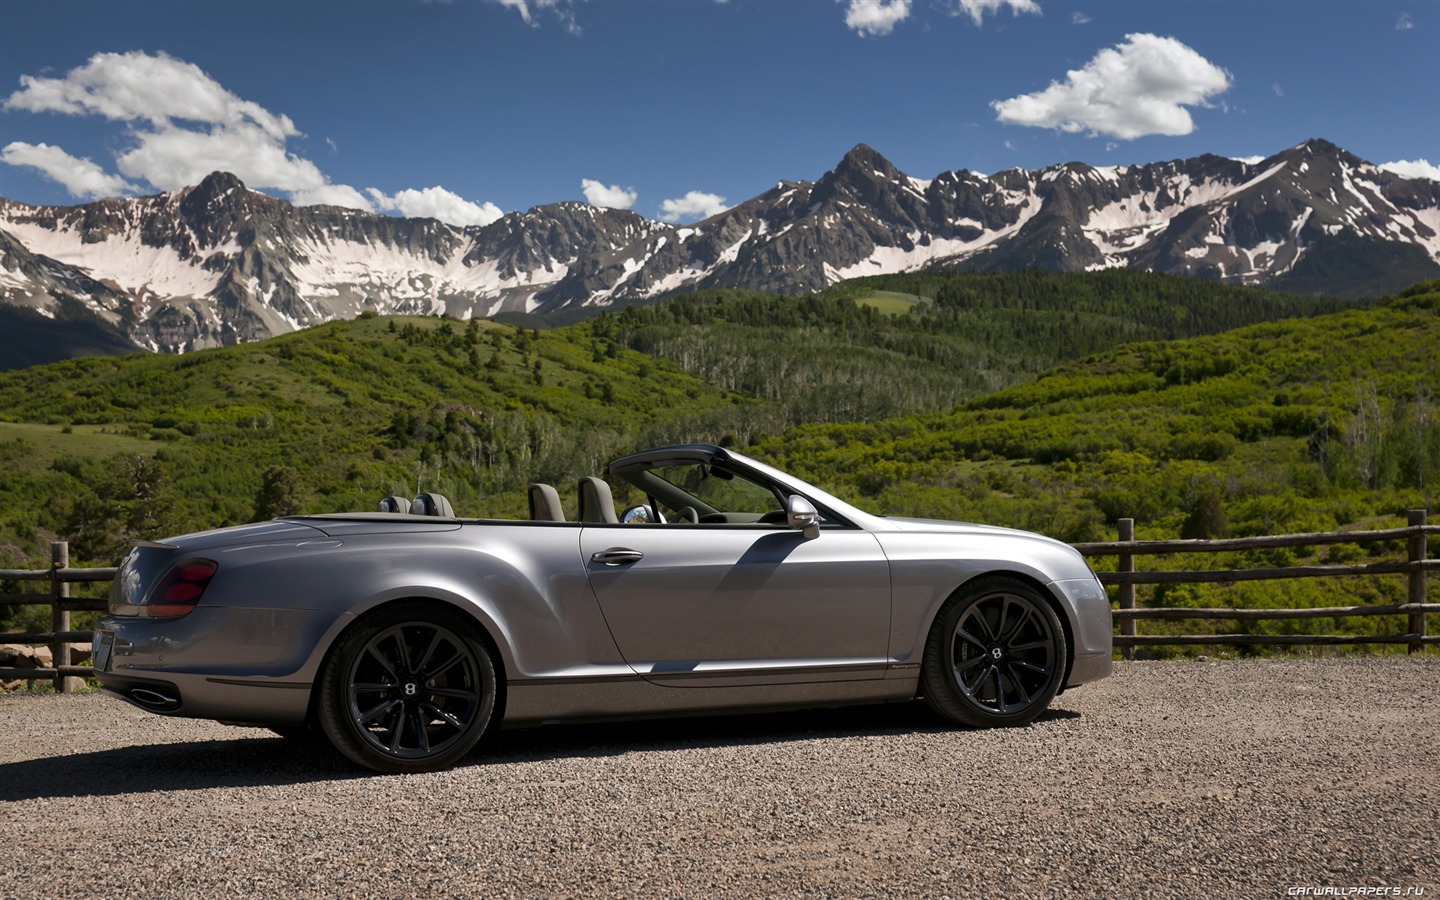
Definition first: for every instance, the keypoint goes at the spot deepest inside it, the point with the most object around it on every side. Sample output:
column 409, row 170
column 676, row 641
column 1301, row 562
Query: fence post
column 1417, row 578
column 1126, row 563
column 59, row 618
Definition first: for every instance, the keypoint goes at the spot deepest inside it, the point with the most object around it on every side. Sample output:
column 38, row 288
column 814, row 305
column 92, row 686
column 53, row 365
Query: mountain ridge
column 218, row 264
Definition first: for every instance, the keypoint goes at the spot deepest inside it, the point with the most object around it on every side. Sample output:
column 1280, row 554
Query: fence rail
column 59, row 576
column 1417, row 566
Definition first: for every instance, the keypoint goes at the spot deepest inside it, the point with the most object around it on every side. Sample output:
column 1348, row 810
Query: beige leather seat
column 545, row 504
column 597, row 504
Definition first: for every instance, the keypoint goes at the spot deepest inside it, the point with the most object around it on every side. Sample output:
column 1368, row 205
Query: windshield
column 719, row 489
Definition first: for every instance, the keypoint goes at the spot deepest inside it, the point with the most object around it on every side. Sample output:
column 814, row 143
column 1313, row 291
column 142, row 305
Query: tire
column 410, row 688
column 995, row 656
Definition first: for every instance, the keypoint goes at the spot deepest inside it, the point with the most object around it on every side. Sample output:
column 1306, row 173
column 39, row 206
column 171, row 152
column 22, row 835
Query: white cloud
column 183, row 125
column 1404, row 23
column 1136, row 89
column 976, row 9
column 135, row 86
column 80, row 177
column 564, row 10
column 874, row 18
column 694, row 205
column 1279, row 91
column 519, row 6
column 1249, row 160
column 614, row 196
column 171, row 157
column 1413, row 168
column 437, row 203
column 1079, row 18
column 332, row 195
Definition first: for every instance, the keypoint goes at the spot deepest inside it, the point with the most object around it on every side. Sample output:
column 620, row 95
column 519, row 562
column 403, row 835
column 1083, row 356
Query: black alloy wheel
column 995, row 656
column 408, row 690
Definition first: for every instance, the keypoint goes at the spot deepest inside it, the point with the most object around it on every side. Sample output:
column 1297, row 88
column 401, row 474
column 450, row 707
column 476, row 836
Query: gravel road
column 1219, row 778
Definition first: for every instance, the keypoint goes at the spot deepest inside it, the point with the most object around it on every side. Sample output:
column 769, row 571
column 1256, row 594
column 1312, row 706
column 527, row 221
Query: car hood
column 941, row 526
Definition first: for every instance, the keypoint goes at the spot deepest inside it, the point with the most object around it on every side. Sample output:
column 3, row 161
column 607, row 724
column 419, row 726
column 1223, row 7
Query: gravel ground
column 1209, row 778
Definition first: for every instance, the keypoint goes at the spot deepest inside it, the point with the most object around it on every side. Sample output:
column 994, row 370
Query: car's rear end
column 197, row 626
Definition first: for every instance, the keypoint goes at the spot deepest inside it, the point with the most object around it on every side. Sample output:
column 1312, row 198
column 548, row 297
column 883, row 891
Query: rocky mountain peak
column 218, row 184
column 862, row 176
column 1319, row 146
column 1319, row 152
column 863, row 166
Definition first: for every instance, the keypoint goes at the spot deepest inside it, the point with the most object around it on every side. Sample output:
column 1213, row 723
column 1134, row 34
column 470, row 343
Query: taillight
column 181, row 588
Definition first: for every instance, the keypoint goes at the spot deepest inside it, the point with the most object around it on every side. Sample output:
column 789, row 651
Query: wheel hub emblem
column 996, row 653
column 411, row 688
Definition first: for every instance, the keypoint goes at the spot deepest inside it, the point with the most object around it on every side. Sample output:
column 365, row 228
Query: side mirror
column 801, row 515
column 639, row 514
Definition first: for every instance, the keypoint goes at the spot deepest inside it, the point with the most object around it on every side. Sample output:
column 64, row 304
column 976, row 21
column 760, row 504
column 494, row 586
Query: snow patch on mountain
column 125, row 260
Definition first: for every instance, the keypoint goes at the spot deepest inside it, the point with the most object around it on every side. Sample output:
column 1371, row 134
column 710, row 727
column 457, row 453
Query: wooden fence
column 1416, row 566
column 60, row 576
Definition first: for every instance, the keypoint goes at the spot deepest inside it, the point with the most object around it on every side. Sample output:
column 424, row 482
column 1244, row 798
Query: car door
column 716, row 605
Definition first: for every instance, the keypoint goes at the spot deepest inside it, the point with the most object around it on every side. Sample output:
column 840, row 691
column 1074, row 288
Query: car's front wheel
column 995, row 656
column 409, row 689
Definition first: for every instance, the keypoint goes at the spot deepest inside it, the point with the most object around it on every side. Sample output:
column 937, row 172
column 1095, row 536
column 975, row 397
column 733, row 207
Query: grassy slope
column 1247, row 403
column 885, row 346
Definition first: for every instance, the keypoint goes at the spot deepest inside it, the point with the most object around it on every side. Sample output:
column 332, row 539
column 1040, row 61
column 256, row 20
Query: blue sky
column 678, row 108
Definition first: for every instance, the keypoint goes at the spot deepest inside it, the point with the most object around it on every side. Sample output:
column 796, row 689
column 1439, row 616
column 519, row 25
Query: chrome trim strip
column 662, row 672
column 564, row 681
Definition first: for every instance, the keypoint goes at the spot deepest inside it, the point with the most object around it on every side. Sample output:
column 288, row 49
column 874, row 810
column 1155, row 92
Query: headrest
column 432, row 505
column 545, row 504
column 596, row 502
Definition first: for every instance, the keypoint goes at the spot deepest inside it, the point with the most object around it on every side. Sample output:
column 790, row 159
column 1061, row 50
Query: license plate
column 100, row 650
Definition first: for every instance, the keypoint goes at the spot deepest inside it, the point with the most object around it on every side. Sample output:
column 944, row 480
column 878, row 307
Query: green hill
column 885, row 346
column 1319, row 409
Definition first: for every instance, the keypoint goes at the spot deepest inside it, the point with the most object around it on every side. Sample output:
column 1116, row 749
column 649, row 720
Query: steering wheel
column 775, row 517
column 687, row 515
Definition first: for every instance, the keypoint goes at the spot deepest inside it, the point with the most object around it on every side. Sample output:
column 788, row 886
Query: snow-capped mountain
column 218, row 264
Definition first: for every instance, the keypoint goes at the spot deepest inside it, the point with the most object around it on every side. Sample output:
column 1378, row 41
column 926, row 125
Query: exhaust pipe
column 152, row 699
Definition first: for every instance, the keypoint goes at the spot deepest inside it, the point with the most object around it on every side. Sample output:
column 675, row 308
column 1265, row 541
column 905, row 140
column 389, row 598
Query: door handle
column 617, row 556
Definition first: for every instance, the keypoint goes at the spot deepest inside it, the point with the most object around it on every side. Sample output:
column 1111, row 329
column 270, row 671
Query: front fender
column 927, row 569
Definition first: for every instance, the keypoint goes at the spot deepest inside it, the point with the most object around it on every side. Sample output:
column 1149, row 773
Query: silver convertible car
column 404, row 635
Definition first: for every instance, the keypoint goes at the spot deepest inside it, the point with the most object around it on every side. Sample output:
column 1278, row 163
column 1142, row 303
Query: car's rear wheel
column 410, row 688
column 995, row 656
